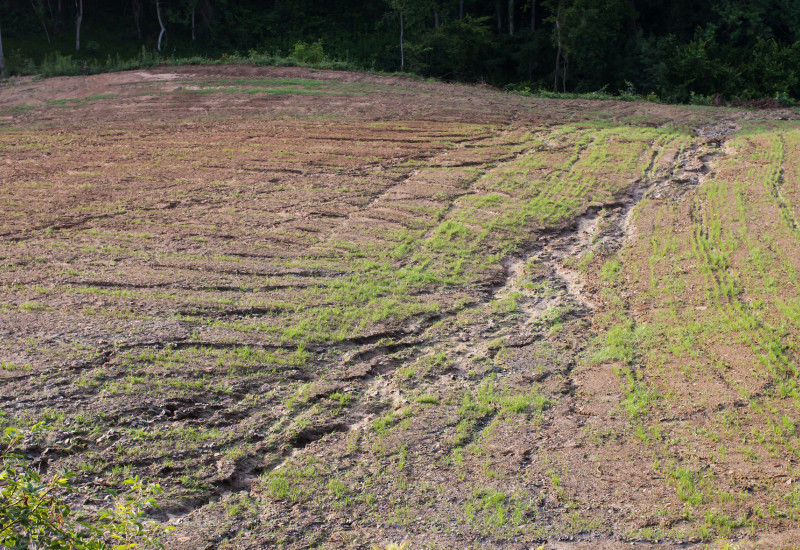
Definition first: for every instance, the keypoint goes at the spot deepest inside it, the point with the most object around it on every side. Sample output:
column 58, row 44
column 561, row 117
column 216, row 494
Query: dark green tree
column 2, row 57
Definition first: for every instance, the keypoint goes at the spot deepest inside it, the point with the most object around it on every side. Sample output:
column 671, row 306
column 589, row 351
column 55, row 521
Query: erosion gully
column 555, row 254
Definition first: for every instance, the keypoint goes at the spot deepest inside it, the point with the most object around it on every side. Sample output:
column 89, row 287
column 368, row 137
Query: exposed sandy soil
column 330, row 309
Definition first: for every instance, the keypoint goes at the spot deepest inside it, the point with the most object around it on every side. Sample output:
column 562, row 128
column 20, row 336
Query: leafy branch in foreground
column 34, row 514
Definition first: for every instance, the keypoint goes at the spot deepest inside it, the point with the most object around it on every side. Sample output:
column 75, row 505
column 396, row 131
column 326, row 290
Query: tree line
column 674, row 49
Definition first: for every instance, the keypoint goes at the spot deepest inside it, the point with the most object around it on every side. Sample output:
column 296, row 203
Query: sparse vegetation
column 359, row 303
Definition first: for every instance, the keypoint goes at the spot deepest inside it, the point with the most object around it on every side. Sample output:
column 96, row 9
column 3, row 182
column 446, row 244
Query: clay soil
column 327, row 309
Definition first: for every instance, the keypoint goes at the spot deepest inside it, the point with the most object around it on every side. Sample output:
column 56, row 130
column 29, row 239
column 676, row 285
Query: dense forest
column 674, row 49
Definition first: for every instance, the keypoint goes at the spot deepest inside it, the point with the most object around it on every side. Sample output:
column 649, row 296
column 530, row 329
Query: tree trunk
column 78, row 20
column 402, row 51
column 46, row 32
column 533, row 15
column 2, row 58
column 40, row 13
column 208, row 15
column 461, row 10
column 558, row 56
column 499, row 17
column 160, row 22
column 436, row 20
column 194, row 8
column 137, row 12
column 510, row 17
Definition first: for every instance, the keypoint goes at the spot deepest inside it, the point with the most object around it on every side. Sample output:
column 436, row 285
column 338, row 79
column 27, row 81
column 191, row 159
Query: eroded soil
column 331, row 310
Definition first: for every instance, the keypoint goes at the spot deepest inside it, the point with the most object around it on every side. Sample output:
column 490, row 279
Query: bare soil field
column 330, row 310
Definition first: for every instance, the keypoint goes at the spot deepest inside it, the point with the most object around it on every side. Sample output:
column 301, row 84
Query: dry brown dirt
column 329, row 310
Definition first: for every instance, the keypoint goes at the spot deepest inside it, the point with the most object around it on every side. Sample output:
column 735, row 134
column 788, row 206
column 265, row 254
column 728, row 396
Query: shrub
column 17, row 63
column 629, row 93
column 33, row 513
column 60, row 65
column 309, row 53
column 784, row 99
column 699, row 99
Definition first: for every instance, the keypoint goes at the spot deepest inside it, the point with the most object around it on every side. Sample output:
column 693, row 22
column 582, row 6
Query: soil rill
column 332, row 310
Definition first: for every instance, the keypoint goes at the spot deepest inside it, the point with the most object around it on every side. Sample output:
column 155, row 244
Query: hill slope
column 329, row 309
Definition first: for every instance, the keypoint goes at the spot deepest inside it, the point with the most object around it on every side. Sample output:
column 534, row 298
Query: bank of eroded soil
column 334, row 309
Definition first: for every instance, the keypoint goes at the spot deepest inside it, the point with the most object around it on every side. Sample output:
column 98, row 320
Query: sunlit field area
column 329, row 310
